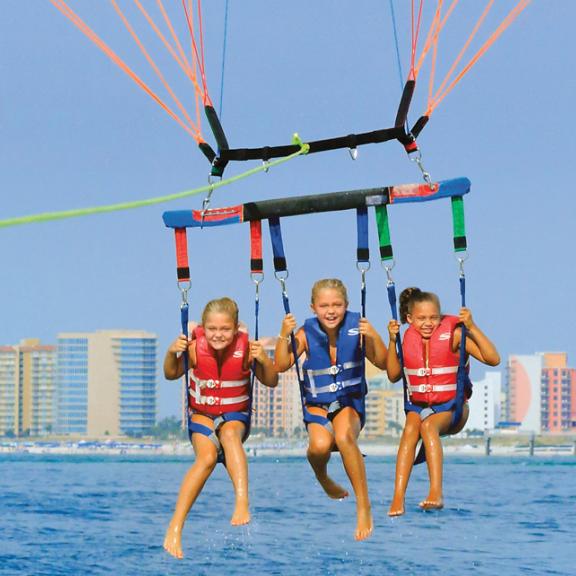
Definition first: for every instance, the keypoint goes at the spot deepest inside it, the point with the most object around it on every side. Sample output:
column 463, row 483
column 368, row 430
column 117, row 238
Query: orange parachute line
column 415, row 34
column 153, row 65
column 444, row 90
column 189, row 126
column 187, row 67
column 198, row 55
column 190, row 67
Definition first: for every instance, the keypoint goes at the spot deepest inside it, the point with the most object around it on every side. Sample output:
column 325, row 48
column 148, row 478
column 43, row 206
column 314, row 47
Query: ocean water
column 80, row 515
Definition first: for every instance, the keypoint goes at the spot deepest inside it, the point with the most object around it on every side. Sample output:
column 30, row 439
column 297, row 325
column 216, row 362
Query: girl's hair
column 411, row 296
column 221, row 306
column 329, row 284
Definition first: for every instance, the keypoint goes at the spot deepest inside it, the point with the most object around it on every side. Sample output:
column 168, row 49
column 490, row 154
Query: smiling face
column 329, row 305
column 424, row 317
column 219, row 329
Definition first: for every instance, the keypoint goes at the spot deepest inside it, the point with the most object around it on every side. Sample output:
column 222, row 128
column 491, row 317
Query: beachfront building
column 558, row 409
column 106, row 383
column 27, row 384
column 485, row 403
column 541, row 393
column 523, row 391
column 277, row 412
column 384, row 405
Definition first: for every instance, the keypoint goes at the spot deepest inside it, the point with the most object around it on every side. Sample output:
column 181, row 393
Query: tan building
column 106, row 383
column 384, row 405
column 277, row 411
column 27, row 389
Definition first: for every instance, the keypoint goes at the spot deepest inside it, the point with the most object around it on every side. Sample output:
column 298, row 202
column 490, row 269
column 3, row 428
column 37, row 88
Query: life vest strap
column 427, row 388
column 212, row 383
column 334, row 369
column 334, row 387
column 430, row 371
column 216, row 401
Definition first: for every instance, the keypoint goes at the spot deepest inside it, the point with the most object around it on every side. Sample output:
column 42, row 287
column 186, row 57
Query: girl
column 334, row 387
column 431, row 357
column 219, row 403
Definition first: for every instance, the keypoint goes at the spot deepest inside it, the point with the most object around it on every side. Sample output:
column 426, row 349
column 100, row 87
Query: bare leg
column 346, row 430
column 230, row 436
column 320, row 443
column 432, row 429
column 206, row 459
column 404, row 462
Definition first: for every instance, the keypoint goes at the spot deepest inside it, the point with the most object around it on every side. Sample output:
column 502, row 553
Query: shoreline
column 277, row 448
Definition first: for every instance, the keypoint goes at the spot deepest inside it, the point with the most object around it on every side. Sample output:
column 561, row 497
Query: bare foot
column 432, row 503
column 173, row 541
column 396, row 507
column 241, row 514
column 332, row 489
column 364, row 526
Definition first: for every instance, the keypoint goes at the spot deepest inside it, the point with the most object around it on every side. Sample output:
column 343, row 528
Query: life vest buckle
column 210, row 400
column 333, row 387
column 423, row 372
column 211, row 383
column 334, row 369
column 423, row 388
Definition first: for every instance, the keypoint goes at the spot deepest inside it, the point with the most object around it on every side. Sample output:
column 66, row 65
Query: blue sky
column 76, row 132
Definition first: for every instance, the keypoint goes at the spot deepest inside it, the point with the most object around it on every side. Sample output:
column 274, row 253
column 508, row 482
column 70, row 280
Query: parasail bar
column 331, row 202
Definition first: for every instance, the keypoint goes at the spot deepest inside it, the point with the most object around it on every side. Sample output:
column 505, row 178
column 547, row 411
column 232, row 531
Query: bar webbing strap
column 462, row 377
column 458, row 224
column 256, row 261
column 183, row 268
column 386, row 252
column 362, row 251
column 218, row 164
column 186, row 361
column 277, row 245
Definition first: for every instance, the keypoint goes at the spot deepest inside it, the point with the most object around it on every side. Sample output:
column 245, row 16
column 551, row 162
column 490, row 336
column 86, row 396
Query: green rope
column 386, row 252
column 458, row 224
column 49, row 216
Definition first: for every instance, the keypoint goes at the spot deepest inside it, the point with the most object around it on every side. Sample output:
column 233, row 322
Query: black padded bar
column 207, row 151
column 350, row 141
column 331, row 202
column 404, row 105
column 419, row 126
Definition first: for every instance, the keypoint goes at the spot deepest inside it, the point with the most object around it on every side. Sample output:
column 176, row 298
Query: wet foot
column 396, row 507
column 241, row 514
column 173, row 541
column 332, row 489
column 364, row 527
column 432, row 503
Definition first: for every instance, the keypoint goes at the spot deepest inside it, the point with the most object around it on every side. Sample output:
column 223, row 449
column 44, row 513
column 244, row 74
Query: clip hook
column 206, row 201
column 416, row 157
column 353, row 153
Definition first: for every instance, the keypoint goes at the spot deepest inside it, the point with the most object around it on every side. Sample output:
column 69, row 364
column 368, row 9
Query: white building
column 485, row 403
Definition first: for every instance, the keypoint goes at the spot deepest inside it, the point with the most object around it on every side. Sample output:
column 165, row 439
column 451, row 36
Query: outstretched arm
column 265, row 370
column 393, row 366
column 283, row 356
column 174, row 359
column 478, row 344
column 375, row 348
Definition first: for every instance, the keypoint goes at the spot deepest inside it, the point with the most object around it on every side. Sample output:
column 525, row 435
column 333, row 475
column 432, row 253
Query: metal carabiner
column 388, row 270
column 184, row 287
column 416, row 157
column 206, row 201
column 353, row 153
column 461, row 260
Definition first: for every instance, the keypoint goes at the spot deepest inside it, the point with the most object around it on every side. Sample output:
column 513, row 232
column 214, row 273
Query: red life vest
column 219, row 391
column 432, row 382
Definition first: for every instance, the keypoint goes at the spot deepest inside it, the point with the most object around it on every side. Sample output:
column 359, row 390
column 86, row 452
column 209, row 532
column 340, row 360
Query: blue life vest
column 325, row 382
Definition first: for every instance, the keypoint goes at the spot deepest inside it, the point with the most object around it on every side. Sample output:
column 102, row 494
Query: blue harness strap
column 212, row 433
column 279, row 268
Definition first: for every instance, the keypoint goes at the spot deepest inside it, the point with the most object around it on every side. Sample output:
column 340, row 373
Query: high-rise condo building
column 106, row 383
column 541, row 392
column 27, row 374
column 485, row 403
